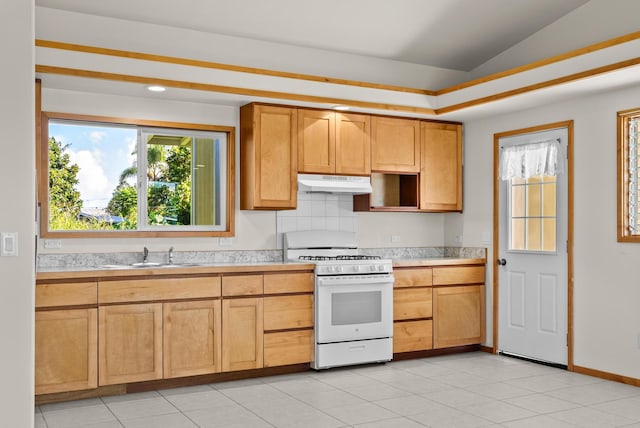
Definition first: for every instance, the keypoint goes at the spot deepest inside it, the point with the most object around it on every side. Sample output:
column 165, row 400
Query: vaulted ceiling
column 452, row 34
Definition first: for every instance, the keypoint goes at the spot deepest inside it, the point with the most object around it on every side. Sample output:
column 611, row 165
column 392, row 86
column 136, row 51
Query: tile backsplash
column 318, row 211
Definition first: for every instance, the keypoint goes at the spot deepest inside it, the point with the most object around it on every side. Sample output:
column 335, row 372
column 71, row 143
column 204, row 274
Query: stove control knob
column 356, row 268
column 373, row 268
column 338, row 269
column 380, row 268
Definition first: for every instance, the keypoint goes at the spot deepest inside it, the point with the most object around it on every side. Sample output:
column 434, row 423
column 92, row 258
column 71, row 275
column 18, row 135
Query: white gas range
column 353, row 298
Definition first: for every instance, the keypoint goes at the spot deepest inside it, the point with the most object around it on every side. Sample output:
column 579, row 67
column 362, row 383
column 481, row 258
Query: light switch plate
column 8, row 244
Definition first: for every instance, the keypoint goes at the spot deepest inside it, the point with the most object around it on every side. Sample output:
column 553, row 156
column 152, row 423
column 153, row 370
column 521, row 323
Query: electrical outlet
column 225, row 242
column 52, row 243
column 395, row 238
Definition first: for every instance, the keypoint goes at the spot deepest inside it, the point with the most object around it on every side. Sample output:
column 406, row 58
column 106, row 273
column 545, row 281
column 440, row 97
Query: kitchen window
column 104, row 177
column 628, row 176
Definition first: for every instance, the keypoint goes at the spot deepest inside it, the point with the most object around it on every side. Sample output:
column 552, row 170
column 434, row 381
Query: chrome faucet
column 170, row 255
column 145, row 255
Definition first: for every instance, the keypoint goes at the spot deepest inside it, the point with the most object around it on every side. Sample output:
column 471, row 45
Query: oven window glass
column 356, row 308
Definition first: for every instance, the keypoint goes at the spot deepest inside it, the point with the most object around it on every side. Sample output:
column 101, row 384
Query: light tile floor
column 463, row 390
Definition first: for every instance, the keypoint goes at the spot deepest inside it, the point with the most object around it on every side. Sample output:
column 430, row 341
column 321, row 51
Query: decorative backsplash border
column 94, row 260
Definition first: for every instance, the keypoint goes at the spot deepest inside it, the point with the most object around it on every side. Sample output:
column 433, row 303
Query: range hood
column 355, row 185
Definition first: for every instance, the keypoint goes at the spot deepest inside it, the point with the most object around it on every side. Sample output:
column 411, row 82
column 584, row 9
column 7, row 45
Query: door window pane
column 533, row 214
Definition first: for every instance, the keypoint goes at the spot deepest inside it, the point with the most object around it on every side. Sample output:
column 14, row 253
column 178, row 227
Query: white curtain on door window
column 531, row 160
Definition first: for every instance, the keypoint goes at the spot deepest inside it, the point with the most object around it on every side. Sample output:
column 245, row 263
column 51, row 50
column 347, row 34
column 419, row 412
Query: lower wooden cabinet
column 458, row 315
column 242, row 334
column 66, row 350
column 409, row 336
column 289, row 347
column 192, row 338
column 130, row 343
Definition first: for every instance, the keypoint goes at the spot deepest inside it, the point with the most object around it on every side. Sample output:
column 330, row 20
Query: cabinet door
column 268, row 156
column 409, row 336
column 441, row 167
column 130, row 343
column 353, row 144
column 395, row 145
column 192, row 338
column 316, row 141
column 458, row 315
column 242, row 334
column 66, row 350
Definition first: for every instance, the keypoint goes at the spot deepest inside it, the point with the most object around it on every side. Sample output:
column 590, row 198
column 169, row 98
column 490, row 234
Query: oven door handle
column 354, row 280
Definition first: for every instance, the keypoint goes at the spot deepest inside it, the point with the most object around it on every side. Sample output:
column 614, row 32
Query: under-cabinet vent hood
column 356, row 185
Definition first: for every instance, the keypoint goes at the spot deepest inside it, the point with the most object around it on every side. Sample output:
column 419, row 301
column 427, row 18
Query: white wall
column 606, row 273
column 17, row 213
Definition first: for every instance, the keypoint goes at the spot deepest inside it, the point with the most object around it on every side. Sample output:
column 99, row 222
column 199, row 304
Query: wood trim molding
column 570, row 222
column 330, row 100
column 226, row 89
column 228, row 67
column 541, row 85
column 314, row 78
column 606, row 375
column 541, row 63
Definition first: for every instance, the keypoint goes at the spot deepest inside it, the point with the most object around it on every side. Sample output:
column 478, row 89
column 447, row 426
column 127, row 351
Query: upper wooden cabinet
column 441, row 167
column 268, row 157
column 333, row 143
column 395, row 144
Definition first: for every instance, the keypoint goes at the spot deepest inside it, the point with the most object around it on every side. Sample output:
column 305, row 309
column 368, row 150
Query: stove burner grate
column 341, row 257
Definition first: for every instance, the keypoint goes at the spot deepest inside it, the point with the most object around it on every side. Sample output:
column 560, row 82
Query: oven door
column 353, row 307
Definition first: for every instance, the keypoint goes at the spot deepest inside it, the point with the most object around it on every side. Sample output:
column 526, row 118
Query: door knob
column 502, row 262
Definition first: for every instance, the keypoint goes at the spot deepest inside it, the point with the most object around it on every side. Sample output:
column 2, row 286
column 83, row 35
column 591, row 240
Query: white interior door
column 533, row 260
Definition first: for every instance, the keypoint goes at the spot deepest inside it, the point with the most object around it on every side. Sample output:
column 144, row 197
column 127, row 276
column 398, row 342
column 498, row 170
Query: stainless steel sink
column 146, row 264
column 139, row 265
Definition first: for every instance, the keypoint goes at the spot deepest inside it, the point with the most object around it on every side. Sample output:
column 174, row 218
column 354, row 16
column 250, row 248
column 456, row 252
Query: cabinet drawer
column 66, row 294
column 158, row 289
column 413, row 277
column 412, row 303
column 458, row 275
column 409, row 336
column 288, row 312
column 290, row 347
column 242, row 285
column 288, row 283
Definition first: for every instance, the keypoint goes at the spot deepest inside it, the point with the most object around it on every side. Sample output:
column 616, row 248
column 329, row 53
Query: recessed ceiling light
column 156, row 88
column 341, row 108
